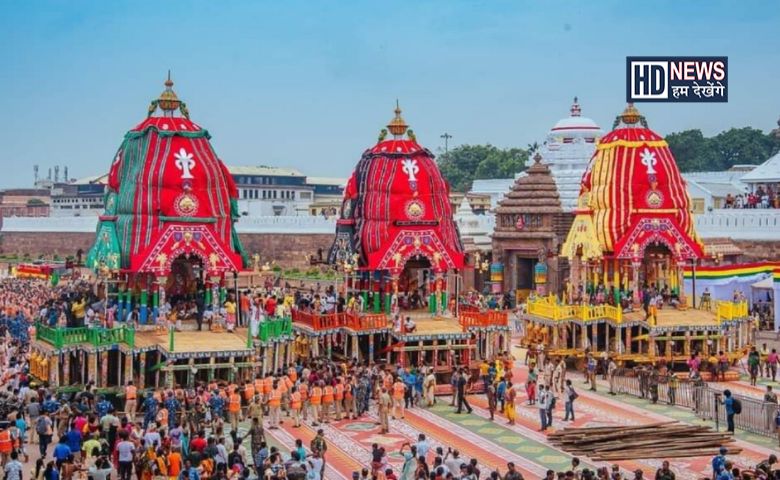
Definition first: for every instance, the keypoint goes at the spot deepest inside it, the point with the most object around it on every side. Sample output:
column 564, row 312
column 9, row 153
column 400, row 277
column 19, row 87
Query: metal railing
column 271, row 329
column 488, row 318
column 730, row 310
column 757, row 415
column 98, row 337
column 332, row 321
column 547, row 307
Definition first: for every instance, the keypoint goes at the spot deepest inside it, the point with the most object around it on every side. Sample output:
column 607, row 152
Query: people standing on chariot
column 230, row 314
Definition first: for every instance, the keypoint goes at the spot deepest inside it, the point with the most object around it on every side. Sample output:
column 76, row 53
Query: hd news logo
column 677, row 79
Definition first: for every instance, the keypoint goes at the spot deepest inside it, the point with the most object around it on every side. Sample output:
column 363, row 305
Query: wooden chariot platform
column 440, row 341
column 670, row 334
column 153, row 354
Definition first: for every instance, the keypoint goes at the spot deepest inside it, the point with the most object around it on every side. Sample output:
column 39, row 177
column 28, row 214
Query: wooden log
column 587, row 430
column 675, row 454
column 670, row 439
column 627, row 430
column 663, row 434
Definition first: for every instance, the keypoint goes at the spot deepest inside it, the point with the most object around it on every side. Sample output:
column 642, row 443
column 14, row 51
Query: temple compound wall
column 287, row 249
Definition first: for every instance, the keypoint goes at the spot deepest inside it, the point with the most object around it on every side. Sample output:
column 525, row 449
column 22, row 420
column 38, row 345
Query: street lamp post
column 446, row 136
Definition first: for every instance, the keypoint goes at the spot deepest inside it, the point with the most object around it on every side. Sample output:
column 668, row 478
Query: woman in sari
column 149, row 462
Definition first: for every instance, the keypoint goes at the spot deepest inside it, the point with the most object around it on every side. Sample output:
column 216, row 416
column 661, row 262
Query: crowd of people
column 761, row 198
column 652, row 297
column 198, row 432
column 217, row 429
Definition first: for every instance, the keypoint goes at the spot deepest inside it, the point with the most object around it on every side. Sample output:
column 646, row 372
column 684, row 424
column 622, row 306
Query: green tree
column 695, row 152
column 465, row 163
column 740, row 146
column 690, row 149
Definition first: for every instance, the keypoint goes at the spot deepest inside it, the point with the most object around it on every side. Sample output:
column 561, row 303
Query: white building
column 495, row 188
column 567, row 149
column 709, row 192
column 474, row 229
column 80, row 198
column 569, row 145
column 766, row 175
column 262, row 192
column 273, row 191
column 328, row 194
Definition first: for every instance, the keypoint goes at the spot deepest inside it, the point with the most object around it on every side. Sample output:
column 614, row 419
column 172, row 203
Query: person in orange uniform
column 234, row 408
column 287, row 385
column 248, row 393
column 6, row 445
column 315, row 402
column 268, row 383
column 338, row 397
column 131, row 401
column 296, row 404
column 303, row 389
column 398, row 397
column 274, row 405
column 349, row 399
column 327, row 402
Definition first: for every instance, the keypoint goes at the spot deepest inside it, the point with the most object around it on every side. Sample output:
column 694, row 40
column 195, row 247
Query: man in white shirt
column 422, row 446
column 221, row 458
column 452, row 460
column 13, row 469
column 541, row 400
column 409, row 325
column 125, row 450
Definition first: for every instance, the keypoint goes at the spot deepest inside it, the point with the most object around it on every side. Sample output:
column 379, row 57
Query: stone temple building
column 530, row 227
column 533, row 219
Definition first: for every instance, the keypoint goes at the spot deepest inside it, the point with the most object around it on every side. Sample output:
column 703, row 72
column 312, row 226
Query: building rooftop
column 339, row 182
column 495, row 188
column 100, row 179
column 575, row 124
column 263, row 170
column 493, row 185
column 720, row 189
column 534, row 193
column 767, row 172
column 723, row 176
column 27, row 192
column 567, row 149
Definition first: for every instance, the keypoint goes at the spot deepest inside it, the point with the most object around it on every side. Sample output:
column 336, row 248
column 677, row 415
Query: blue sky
column 308, row 84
